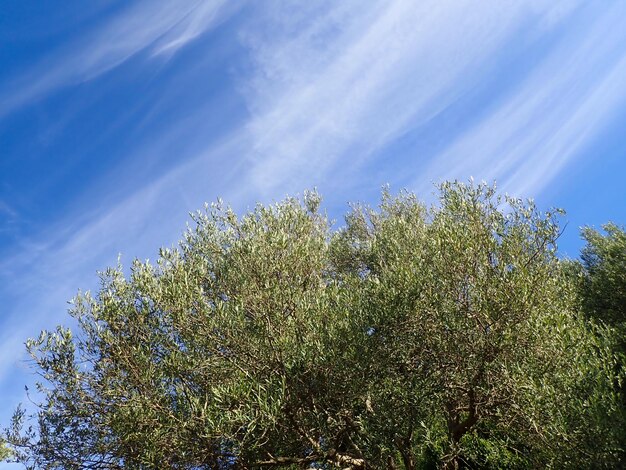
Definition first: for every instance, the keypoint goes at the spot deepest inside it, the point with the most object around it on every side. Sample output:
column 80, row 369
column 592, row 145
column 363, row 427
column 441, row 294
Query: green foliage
column 604, row 281
column 411, row 338
column 5, row 453
column 602, row 289
column 472, row 296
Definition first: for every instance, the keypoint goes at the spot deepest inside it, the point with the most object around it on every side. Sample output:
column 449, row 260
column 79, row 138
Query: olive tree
column 410, row 337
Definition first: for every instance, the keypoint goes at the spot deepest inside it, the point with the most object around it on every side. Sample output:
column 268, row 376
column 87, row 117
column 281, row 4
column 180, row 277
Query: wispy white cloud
column 383, row 69
column 545, row 123
column 6, row 209
column 205, row 16
column 159, row 25
column 65, row 256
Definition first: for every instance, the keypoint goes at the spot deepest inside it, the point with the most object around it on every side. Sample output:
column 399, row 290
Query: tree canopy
column 412, row 337
column 604, row 274
column 602, row 288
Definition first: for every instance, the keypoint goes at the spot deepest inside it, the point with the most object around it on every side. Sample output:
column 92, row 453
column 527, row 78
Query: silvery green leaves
column 412, row 336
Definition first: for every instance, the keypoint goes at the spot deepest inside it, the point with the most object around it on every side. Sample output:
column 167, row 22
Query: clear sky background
column 117, row 118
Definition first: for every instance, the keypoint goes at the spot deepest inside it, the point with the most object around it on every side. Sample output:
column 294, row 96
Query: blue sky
column 118, row 118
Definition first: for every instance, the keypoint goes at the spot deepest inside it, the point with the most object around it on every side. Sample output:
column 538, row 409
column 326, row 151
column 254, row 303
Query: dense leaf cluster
column 411, row 338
